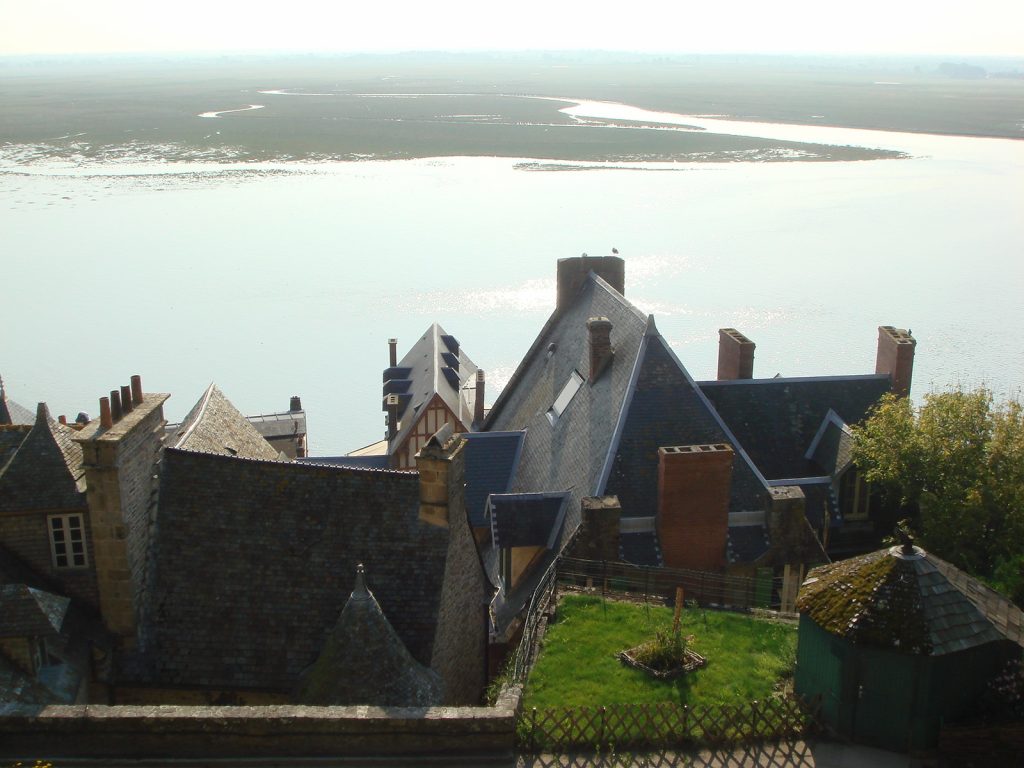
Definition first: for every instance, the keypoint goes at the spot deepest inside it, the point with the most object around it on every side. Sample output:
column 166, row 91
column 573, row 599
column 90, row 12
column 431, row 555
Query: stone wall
column 27, row 536
column 460, row 643
column 276, row 731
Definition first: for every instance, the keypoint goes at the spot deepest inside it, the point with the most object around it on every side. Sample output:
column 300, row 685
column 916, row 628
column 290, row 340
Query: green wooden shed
column 897, row 642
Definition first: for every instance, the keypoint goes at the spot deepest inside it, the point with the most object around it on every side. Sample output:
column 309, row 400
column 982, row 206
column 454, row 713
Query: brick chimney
column 896, row 357
column 735, row 355
column 601, row 352
column 119, row 456
column 442, row 468
column 694, row 483
column 478, row 403
column 573, row 272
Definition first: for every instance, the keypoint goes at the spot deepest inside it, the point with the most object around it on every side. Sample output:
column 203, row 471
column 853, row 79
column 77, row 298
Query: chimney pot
column 392, row 353
column 478, row 404
column 137, row 390
column 295, row 404
column 115, row 406
column 106, row 418
column 126, row 399
column 735, row 355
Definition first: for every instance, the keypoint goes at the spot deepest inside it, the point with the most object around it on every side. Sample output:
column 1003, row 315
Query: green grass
column 747, row 657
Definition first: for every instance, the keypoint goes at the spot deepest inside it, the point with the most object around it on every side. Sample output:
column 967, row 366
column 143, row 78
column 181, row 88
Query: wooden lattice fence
column 663, row 725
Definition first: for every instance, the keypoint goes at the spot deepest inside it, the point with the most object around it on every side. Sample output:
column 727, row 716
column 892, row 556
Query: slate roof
column 491, row 459
column 254, row 561
column 380, row 461
column 527, row 519
column 746, row 543
column 570, row 454
column 901, row 601
column 12, row 413
column 46, row 470
column 832, row 447
column 214, row 425
column 18, row 688
column 286, row 424
column 435, row 364
column 640, row 548
column 365, row 662
column 776, row 420
column 11, row 437
column 666, row 408
column 27, row 612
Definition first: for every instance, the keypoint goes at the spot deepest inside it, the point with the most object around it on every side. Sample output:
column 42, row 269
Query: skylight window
column 572, row 386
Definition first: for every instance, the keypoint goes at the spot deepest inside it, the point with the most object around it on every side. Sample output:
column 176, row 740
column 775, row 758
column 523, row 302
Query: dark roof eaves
column 791, row 380
column 818, row 480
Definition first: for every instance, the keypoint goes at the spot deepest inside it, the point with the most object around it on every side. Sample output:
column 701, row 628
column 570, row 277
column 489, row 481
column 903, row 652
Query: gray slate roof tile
column 46, row 470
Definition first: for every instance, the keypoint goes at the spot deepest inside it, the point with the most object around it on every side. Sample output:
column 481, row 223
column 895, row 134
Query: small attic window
column 572, row 386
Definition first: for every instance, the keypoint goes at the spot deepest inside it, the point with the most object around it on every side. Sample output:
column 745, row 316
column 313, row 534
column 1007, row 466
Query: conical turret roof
column 365, row 662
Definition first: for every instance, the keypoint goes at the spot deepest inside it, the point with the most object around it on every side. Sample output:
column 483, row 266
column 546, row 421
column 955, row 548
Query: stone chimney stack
column 694, row 484
column 478, row 403
column 295, row 404
column 601, row 352
column 896, row 357
column 442, row 468
column 573, row 272
column 119, row 456
column 735, row 355
column 599, row 534
column 392, row 353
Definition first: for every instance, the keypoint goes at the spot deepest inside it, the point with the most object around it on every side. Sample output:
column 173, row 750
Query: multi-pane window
column 67, row 541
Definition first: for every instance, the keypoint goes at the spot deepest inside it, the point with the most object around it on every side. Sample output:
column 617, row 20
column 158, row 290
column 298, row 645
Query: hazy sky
column 787, row 26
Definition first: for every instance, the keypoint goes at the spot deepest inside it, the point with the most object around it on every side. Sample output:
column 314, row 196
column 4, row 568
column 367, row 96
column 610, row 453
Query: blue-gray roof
column 570, row 454
column 667, row 408
column 527, row 519
column 491, row 459
column 776, row 420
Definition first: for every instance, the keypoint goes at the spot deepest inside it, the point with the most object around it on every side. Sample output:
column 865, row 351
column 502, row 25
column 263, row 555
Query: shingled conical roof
column 365, row 662
column 903, row 599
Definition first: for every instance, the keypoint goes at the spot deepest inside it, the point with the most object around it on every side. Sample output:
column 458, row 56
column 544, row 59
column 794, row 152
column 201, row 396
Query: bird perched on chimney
column 615, row 251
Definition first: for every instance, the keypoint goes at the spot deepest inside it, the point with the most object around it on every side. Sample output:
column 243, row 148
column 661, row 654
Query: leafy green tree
column 955, row 466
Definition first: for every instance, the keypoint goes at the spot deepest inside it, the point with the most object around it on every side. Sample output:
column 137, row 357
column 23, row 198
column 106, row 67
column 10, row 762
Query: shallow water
column 278, row 279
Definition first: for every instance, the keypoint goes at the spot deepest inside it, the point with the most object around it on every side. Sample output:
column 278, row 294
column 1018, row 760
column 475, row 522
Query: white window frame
column 67, row 541
column 572, row 386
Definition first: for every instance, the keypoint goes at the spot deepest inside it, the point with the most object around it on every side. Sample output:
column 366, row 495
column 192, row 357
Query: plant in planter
column 665, row 657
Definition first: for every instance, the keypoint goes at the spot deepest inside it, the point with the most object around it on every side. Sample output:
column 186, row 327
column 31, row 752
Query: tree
column 955, row 466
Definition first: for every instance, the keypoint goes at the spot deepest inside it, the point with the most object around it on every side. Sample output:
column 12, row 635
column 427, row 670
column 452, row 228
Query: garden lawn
column 747, row 657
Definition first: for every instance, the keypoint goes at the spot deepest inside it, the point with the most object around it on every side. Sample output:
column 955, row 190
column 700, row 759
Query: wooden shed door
column 884, row 698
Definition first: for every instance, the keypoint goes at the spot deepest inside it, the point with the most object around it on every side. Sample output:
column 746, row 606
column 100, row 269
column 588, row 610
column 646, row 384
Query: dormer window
column 67, row 541
column 572, row 386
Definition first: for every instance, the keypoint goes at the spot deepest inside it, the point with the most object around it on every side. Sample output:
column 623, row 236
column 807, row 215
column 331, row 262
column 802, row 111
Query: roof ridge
column 792, row 379
column 278, row 462
column 196, row 414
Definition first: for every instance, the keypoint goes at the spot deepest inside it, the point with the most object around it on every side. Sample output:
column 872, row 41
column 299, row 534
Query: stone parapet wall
column 277, row 731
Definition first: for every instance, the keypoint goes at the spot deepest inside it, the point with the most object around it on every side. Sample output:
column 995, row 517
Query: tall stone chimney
column 478, row 403
column 896, row 357
column 599, row 533
column 694, row 483
column 573, row 272
column 119, row 455
column 735, row 355
column 601, row 352
column 442, row 468
column 295, row 404
column 392, row 353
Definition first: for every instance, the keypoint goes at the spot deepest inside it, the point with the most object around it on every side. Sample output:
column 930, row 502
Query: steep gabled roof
column 666, row 408
column 435, row 365
column 776, row 420
column 569, row 452
column 365, row 662
column 11, row 437
column 45, row 471
column 254, row 560
column 214, row 425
